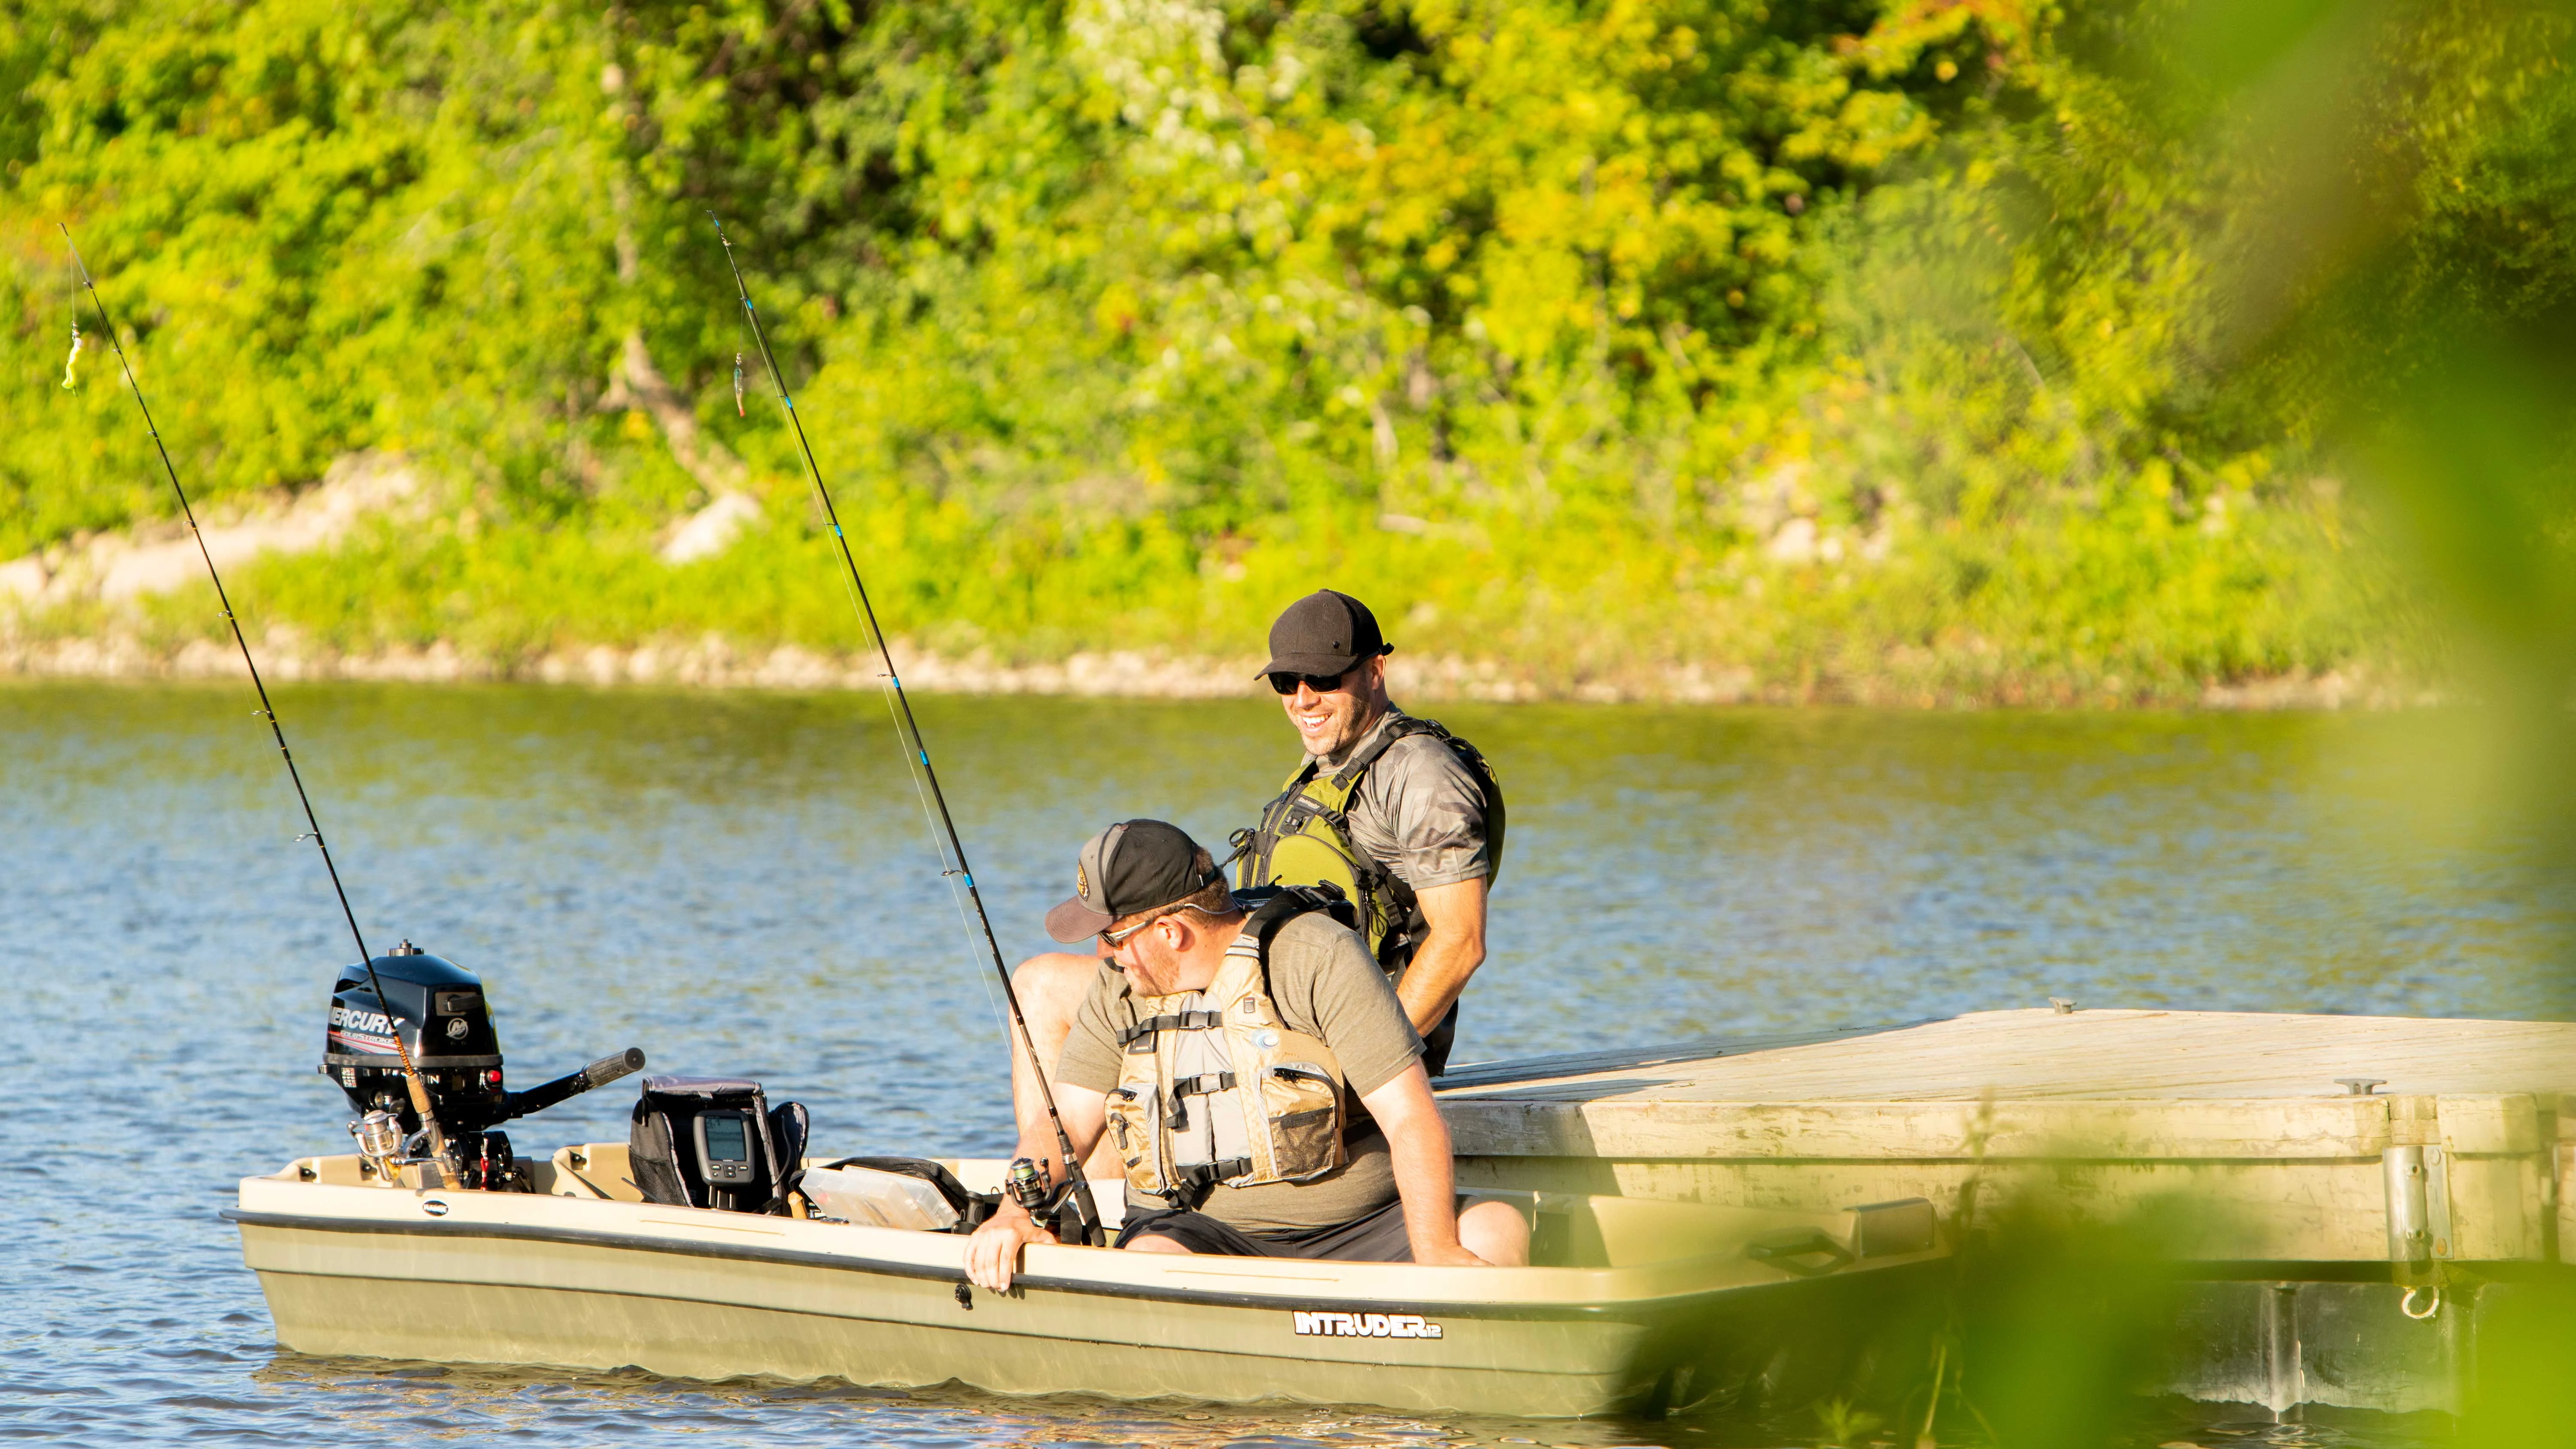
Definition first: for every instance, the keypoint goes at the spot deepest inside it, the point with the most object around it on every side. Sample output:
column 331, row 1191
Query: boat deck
column 2270, row 1121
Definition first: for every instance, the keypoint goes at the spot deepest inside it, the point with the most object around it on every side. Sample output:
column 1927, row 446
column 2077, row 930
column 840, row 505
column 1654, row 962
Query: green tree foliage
column 1887, row 347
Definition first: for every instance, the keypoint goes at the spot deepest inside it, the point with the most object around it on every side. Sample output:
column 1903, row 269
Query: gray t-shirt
column 1418, row 811
column 1328, row 986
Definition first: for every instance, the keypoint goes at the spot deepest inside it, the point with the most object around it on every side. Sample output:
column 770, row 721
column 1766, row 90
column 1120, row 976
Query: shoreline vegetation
column 134, row 604
column 2112, row 353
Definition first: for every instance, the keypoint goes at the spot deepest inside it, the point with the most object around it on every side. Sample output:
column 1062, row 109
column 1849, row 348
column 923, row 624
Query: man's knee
column 1496, row 1232
column 1057, row 980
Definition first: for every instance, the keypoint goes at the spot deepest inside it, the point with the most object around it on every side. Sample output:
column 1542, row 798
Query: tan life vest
column 1215, row 1088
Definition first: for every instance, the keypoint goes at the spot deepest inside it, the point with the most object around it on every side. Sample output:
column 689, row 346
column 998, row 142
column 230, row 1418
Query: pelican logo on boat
column 1366, row 1325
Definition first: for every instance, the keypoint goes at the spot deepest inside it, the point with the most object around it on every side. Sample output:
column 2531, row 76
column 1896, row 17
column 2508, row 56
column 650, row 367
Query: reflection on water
column 579, row 1407
column 743, row 883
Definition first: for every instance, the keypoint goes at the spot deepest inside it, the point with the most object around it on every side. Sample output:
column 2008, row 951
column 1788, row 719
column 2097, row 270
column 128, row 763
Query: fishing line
column 908, row 731
column 890, row 688
column 948, row 874
column 267, row 711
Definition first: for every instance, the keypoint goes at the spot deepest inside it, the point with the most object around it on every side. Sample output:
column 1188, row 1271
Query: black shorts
column 1377, row 1237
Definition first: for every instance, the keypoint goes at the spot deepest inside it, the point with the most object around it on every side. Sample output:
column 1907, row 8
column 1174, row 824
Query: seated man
column 1254, row 1072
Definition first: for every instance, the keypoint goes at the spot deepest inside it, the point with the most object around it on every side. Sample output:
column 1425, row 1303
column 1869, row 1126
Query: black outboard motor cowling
column 439, row 1008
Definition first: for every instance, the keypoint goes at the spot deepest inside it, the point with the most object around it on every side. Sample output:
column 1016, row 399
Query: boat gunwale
column 1638, row 1312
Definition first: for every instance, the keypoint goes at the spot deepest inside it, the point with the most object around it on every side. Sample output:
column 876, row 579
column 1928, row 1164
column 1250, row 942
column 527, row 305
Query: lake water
column 744, row 884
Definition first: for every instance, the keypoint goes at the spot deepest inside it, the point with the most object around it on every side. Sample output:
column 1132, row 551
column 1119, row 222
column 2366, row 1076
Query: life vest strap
column 1308, row 805
column 1194, row 1181
column 1202, row 1085
column 1128, row 1036
column 1347, row 778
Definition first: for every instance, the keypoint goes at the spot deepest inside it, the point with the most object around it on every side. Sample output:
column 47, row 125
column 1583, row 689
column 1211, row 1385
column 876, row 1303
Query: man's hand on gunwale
column 993, row 1253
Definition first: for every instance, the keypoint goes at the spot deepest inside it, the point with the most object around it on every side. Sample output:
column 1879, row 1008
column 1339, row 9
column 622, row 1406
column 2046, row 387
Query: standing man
column 1402, row 816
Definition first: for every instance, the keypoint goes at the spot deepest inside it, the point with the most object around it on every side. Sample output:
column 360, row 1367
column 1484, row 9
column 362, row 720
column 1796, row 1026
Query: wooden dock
column 2310, row 1147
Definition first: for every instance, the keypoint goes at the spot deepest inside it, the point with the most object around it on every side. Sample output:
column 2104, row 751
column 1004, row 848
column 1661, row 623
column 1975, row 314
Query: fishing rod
column 911, row 729
column 412, row 1080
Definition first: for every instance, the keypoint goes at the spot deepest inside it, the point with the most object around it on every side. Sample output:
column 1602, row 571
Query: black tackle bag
column 715, row 1142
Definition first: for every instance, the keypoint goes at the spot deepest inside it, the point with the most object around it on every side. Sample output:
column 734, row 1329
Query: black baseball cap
column 1325, row 632
column 1134, row 865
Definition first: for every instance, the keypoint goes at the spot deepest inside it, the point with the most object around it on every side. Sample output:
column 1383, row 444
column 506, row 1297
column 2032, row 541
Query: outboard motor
column 440, row 1011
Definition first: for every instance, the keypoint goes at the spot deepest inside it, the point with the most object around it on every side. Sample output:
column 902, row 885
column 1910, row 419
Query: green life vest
column 1305, row 839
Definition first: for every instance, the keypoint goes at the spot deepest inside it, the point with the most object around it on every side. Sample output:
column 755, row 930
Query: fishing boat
column 1634, row 1305
column 713, row 1244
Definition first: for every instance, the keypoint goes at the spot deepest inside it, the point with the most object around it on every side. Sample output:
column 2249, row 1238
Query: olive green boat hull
column 469, row 1277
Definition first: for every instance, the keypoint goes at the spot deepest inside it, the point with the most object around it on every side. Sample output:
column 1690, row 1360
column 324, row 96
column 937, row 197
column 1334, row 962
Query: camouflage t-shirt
column 1418, row 811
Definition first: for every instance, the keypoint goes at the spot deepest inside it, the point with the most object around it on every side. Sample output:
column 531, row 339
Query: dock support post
column 2285, row 1386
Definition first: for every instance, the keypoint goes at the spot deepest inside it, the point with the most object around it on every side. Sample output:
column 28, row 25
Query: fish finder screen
column 725, row 1138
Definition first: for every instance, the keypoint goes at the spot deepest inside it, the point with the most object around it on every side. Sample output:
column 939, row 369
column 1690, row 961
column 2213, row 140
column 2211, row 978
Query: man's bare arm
column 1452, row 948
column 1086, row 1116
column 993, row 1253
column 1418, row 1143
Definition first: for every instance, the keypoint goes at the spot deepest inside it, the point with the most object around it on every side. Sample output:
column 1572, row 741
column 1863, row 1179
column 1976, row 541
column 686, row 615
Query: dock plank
column 2241, row 1110
column 2095, row 1054
column 1634, row 1059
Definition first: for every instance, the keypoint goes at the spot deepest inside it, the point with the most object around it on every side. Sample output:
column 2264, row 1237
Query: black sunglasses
column 1287, row 683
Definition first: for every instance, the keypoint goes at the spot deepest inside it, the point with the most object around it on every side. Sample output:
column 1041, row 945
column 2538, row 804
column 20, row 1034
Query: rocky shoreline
column 715, row 663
